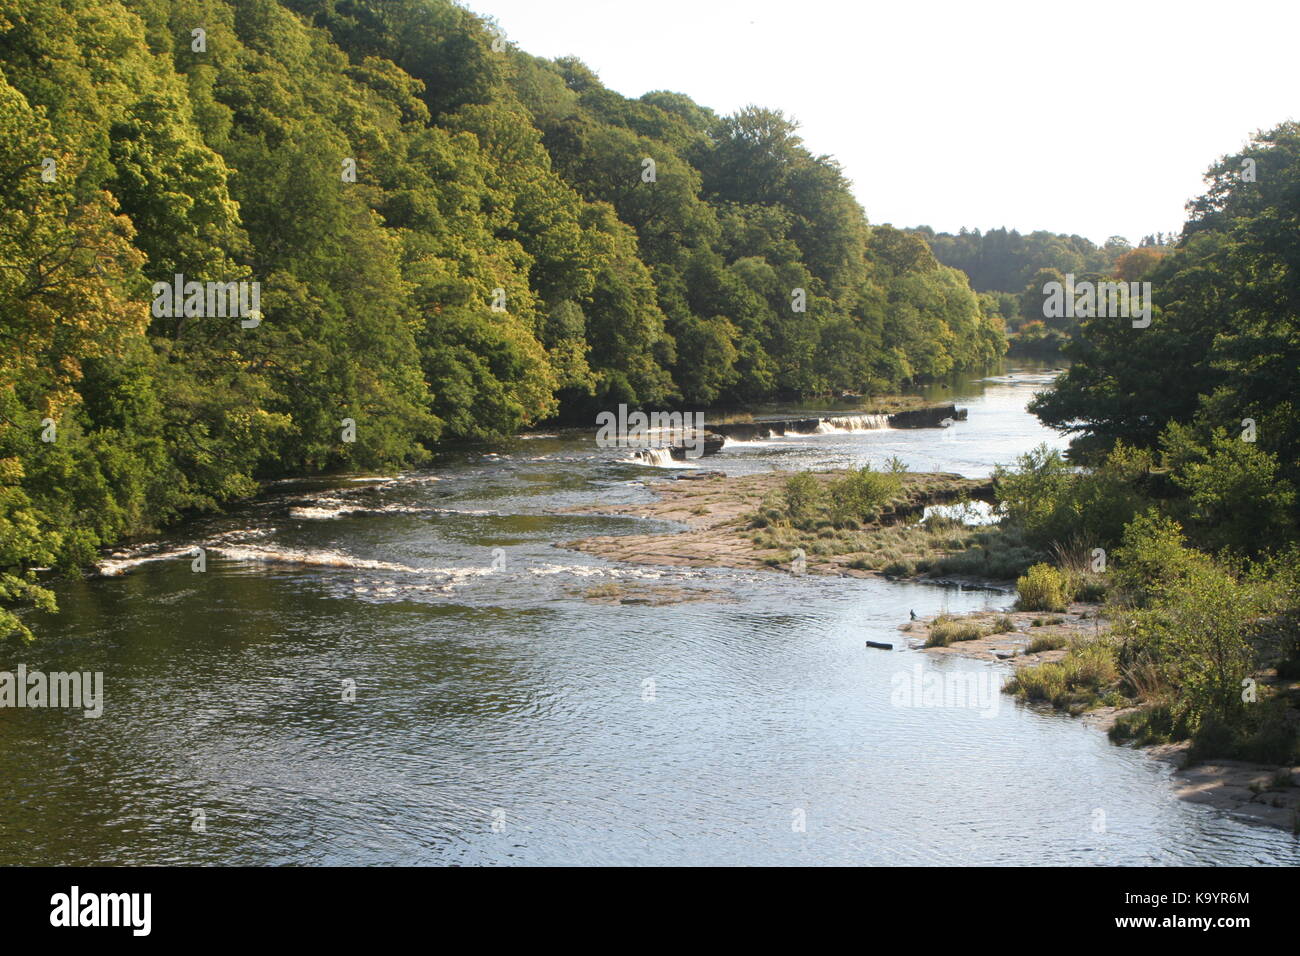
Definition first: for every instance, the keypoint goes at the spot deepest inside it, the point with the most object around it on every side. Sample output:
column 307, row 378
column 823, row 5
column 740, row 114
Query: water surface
column 502, row 716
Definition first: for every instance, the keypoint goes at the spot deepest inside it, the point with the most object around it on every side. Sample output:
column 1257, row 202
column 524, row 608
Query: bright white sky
column 1096, row 118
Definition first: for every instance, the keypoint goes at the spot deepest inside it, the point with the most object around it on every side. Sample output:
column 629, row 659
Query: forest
column 448, row 239
column 1010, row 270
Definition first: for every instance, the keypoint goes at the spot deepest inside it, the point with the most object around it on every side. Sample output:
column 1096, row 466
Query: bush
column 898, row 569
column 862, row 495
column 1193, row 640
column 1235, row 497
column 803, row 496
column 1088, row 587
column 1264, row 736
column 998, row 553
column 1154, row 724
column 1053, row 503
column 1154, row 560
column 1043, row 588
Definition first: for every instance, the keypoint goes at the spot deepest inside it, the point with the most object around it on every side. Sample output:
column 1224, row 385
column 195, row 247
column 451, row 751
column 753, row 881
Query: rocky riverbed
column 714, row 509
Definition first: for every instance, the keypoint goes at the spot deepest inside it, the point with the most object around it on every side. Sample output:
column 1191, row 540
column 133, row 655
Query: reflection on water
column 501, row 715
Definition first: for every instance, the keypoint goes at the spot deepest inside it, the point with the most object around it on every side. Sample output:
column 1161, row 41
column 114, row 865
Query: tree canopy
column 451, row 239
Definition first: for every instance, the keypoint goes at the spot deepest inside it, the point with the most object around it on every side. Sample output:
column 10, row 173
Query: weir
column 931, row 416
column 666, row 454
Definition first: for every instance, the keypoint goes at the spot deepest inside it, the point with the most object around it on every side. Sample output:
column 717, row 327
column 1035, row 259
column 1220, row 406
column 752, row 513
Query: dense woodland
column 736, row 266
column 1011, row 270
column 1003, row 260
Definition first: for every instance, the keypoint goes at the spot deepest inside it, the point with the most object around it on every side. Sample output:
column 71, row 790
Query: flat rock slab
column 714, row 512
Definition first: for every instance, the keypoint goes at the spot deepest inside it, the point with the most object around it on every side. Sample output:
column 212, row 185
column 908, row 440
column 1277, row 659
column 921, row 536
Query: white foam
column 320, row 559
column 118, row 566
column 660, row 458
column 325, row 509
column 852, row 423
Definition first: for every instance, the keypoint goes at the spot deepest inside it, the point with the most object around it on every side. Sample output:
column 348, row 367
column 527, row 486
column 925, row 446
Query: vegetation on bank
column 873, row 515
column 947, row 629
column 1200, row 585
column 452, row 239
column 1189, row 437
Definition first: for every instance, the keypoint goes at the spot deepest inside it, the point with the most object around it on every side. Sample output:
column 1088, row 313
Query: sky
column 1096, row 118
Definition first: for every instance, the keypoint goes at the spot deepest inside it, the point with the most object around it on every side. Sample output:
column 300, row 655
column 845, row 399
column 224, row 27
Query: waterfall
column 657, row 457
column 852, row 423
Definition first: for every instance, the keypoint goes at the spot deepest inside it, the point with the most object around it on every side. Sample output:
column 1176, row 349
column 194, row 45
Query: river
column 501, row 716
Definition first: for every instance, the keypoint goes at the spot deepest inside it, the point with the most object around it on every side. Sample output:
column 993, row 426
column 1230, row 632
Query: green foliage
column 861, row 496
column 1046, row 642
column 480, row 171
column 1054, row 503
column 803, row 496
column 1005, row 260
column 1043, row 588
column 1078, row 680
column 1189, row 623
column 997, row 553
column 1235, row 495
column 1154, row 561
column 1225, row 323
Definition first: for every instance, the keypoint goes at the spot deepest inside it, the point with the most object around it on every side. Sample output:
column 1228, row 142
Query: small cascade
column 657, row 457
column 852, row 423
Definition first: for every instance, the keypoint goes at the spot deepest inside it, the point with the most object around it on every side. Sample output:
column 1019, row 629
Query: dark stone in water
column 712, row 445
column 932, row 416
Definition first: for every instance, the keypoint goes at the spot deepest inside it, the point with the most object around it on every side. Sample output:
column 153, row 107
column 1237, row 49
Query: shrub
column 1088, row 587
column 1154, row 724
column 998, row 553
column 1042, row 588
column 1003, row 624
column 1052, row 502
column 1154, row 560
column 1235, row 497
column 1090, row 664
column 862, row 495
column 1194, row 637
column 803, row 495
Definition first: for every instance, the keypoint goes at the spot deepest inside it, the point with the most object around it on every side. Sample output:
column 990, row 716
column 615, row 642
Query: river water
column 500, row 715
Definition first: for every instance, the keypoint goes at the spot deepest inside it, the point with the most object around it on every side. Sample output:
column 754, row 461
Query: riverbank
column 1262, row 793
column 719, row 530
